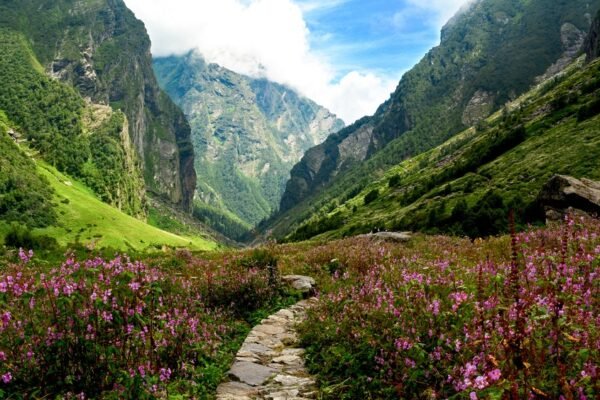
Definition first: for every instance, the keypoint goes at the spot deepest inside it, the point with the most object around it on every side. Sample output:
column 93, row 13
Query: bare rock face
column 572, row 40
column 592, row 43
column 562, row 193
column 480, row 106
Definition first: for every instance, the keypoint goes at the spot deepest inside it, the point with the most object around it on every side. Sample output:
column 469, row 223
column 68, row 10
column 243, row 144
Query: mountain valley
column 180, row 220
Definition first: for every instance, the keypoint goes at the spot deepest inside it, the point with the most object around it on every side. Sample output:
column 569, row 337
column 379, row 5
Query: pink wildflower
column 7, row 377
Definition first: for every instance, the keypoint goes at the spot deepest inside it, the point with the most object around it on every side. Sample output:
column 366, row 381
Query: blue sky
column 347, row 55
column 368, row 35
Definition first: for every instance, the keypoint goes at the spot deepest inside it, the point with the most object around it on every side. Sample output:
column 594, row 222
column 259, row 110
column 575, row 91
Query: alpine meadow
column 299, row 199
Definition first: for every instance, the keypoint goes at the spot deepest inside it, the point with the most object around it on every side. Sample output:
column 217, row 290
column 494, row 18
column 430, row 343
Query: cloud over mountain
column 269, row 38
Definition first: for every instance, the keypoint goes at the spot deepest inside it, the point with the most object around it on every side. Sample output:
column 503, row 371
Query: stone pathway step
column 269, row 365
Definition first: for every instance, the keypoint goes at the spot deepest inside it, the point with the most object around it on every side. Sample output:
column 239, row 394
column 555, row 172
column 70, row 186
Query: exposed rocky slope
column 488, row 54
column 592, row 43
column 247, row 133
column 469, row 184
column 101, row 49
column 562, row 193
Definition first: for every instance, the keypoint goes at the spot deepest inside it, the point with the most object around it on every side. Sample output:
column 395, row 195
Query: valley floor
column 437, row 317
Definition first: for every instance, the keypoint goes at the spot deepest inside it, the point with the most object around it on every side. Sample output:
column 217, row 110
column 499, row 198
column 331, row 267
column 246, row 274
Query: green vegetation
column 222, row 221
column 488, row 56
column 50, row 116
column 167, row 326
column 451, row 318
column 25, row 197
column 84, row 219
column 468, row 185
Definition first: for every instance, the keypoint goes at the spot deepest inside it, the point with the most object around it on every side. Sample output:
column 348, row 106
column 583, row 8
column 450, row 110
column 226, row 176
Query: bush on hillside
column 371, row 196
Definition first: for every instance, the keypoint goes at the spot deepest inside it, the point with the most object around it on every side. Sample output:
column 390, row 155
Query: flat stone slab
column 236, row 389
column 251, row 373
column 270, row 329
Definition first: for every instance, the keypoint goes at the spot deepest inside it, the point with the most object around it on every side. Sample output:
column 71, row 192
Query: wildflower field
column 122, row 329
column 441, row 318
column 513, row 317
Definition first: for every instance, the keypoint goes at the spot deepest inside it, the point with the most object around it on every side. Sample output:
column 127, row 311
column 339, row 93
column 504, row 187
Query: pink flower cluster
column 468, row 317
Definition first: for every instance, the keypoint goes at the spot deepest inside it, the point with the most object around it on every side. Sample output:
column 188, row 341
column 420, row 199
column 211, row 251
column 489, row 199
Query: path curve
column 269, row 365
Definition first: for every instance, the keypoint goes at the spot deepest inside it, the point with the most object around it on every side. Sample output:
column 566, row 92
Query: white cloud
column 262, row 38
column 442, row 10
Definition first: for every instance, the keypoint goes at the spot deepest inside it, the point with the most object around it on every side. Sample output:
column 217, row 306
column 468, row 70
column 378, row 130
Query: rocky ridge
column 592, row 42
column 484, row 60
column 247, row 132
column 100, row 48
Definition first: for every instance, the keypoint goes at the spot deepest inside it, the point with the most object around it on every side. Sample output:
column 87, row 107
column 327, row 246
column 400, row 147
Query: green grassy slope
column 487, row 56
column 84, row 218
column 467, row 185
column 100, row 49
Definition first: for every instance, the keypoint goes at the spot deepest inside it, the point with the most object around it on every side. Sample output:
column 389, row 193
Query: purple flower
column 481, row 382
column 7, row 377
column 25, row 256
column 165, row 374
column 494, row 375
column 473, row 396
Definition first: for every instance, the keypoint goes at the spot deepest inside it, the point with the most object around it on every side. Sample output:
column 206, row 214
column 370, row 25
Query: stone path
column 269, row 364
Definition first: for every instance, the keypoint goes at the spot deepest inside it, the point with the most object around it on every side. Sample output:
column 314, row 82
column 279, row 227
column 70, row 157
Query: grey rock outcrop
column 592, row 42
column 562, row 193
column 398, row 237
column 304, row 284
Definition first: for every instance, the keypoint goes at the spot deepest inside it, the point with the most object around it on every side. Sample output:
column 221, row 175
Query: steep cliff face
column 247, row 133
column 101, row 49
column 592, row 42
column 489, row 53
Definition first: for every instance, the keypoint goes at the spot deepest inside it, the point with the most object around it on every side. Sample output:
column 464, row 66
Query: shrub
column 371, row 196
column 394, row 181
column 21, row 237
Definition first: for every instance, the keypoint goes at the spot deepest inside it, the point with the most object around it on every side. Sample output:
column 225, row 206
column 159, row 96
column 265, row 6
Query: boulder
column 562, row 193
column 399, row 237
column 301, row 283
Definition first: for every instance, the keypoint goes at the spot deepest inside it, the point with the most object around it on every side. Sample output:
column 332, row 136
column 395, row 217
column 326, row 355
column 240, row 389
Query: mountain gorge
column 489, row 54
column 153, row 245
column 103, row 51
column 107, row 149
column 247, row 135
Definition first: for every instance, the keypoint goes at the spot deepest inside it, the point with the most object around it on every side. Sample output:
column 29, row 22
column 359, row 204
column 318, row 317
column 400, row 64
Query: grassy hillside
column 80, row 139
column 84, row 218
column 488, row 55
column 25, row 197
column 467, row 185
column 102, row 51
